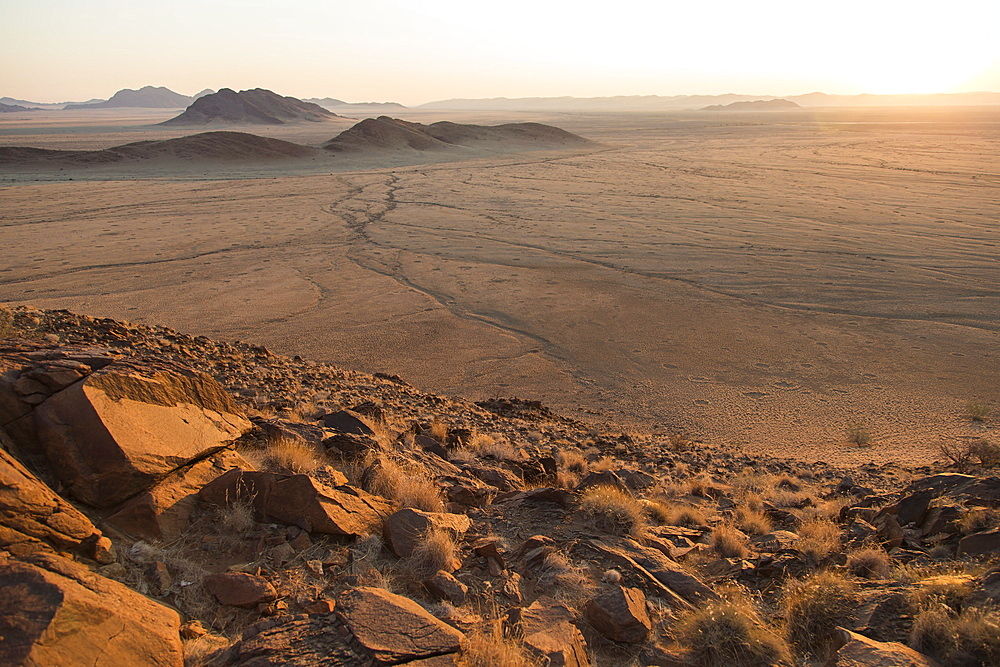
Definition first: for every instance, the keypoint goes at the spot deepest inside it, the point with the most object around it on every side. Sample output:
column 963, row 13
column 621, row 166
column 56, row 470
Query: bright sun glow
column 416, row 51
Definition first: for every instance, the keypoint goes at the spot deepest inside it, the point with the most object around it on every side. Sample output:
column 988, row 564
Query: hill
column 232, row 146
column 334, row 104
column 253, row 107
column 755, row 105
column 10, row 108
column 147, row 97
column 274, row 502
column 385, row 133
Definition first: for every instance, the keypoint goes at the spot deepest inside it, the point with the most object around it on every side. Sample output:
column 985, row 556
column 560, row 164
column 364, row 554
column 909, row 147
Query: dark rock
column 238, row 589
column 292, row 641
column 404, row 529
column 347, row 421
column 986, row 542
column 620, row 615
column 444, row 586
column 549, row 632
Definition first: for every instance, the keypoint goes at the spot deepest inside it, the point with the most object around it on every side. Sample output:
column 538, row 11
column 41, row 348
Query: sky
column 418, row 51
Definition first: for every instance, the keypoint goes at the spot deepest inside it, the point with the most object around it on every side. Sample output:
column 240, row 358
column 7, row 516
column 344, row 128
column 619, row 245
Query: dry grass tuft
column 614, row 511
column 870, row 563
column 956, row 640
column 858, row 435
column 730, row 634
column 730, row 542
column 197, row 651
column 820, row 538
column 752, row 521
column 814, row 608
column 563, row 580
column 286, row 454
column 435, row 551
column 572, row 461
column 407, row 484
column 977, row 412
column 484, row 445
column 494, row 648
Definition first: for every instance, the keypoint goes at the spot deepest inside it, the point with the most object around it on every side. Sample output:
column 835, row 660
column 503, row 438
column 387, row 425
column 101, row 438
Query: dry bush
column 369, row 562
column 407, row 484
column 7, row 328
column 870, row 563
column 435, row 551
column 814, row 608
column 657, row 511
column 978, row 520
column 439, row 431
column 788, row 483
column 280, row 454
column 729, row 542
column 956, row 640
column 977, row 412
column 198, row 650
column 614, row 511
column 819, row 539
column 605, row 463
column 948, row 590
column 566, row 479
column 784, row 498
column 687, row 516
column 493, row 648
column 730, row 634
column 572, row 461
column 752, row 521
column 486, row 445
column 971, row 452
column 858, row 435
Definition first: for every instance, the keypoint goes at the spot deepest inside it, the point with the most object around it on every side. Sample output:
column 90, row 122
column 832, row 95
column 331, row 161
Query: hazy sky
column 423, row 50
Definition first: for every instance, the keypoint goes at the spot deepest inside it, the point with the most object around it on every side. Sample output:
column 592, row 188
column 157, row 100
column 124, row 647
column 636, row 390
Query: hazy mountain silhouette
column 146, row 97
column 256, row 107
column 755, row 105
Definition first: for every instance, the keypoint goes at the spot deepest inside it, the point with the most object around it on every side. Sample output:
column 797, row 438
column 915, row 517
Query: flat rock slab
column 302, row 501
column 239, row 589
column 296, row 641
column 124, row 427
column 860, row 651
column 393, row 629
column 55, row 612
column 550, row 633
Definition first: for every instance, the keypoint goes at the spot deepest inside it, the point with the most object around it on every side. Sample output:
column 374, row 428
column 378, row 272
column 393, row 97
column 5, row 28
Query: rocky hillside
column 148, row 97
column 755, row 105
column 253, row 107
column 168, row 499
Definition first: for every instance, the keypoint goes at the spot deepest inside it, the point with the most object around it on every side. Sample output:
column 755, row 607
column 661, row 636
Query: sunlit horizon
column 413, row 53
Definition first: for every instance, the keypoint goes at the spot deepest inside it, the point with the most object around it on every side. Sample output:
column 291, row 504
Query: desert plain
column 769, row 280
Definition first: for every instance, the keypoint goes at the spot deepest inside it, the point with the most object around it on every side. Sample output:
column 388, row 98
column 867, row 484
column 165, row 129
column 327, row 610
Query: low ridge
column 148, row 97
column 236, row 146
column 754, row 105
column 255, row 107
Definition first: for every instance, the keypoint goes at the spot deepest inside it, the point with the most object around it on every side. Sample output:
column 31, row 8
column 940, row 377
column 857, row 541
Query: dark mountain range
column 147, row 97
column 334, row 104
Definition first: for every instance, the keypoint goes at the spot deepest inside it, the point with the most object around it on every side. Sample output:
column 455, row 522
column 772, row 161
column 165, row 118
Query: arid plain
column 769, row 280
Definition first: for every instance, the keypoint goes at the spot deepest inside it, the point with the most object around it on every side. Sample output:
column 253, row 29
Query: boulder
column 237, row 485
column 888, row 531
column 239, row 589
column 860, row 651
column 648, row 563
column 986, row 542
column 163, row 511
column 124, row 427
column 301, row 501
column 550, row 633
column 347, row 421
column 301, row 640
column 393, row 629
column 55, row 612
column 495, row 476
column 405, row 528
column 33, row 516
column 444, row 586
column 620, row 615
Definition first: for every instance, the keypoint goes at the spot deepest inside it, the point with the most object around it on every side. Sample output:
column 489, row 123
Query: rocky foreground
column 168, row 499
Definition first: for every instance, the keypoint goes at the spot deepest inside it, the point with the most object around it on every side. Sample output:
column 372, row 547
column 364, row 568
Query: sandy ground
column 769, row 280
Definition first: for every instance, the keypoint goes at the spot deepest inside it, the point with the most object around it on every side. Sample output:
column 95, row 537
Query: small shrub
column 814, row 608
column 288, row 454
column 964, row 454
column 871, row 563
column 977, row 412
column 487, row 445
column 788, row 483
column 614, row 511
column 948, row 590
column 493, row 648
column 859, row 436
column 686, row 517
column 572, row 461
column 729, row 542
column 730, row 634
column 978, row 520
column 7, row 328
column 439, row 431
column 564, row 580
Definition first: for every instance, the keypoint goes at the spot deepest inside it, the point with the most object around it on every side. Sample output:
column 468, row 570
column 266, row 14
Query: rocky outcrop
column 33, row 516
column 55, row 612
column 550, row 633
column 239, row 589
column 124, row 427
column 860, row 651
column 300, row 640
column 163, row 511
column 393, row 629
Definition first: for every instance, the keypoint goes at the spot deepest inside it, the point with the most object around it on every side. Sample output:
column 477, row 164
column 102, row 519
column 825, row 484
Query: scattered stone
column 301, row 640
column 549, row 632
column 977, row 544
column 347, row 421
column 239, row 589
column 405, row 528
column 859, row 651
column 620, row 615
column 445, row 586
